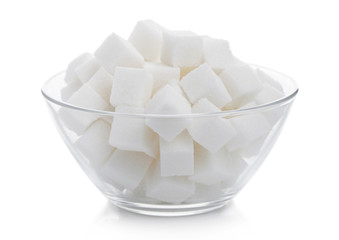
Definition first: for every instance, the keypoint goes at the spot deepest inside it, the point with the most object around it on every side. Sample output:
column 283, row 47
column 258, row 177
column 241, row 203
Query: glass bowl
column 137, row 181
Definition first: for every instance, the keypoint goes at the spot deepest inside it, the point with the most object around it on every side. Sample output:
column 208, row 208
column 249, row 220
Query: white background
column 45, row 195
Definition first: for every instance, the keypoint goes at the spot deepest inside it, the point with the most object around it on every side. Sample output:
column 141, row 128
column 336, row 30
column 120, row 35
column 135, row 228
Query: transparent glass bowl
column 133, row 182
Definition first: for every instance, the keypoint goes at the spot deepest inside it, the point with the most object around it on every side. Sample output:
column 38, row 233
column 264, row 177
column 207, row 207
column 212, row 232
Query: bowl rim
column 224, row 113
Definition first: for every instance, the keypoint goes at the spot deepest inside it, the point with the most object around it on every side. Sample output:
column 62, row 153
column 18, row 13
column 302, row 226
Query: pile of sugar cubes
column 158, row 71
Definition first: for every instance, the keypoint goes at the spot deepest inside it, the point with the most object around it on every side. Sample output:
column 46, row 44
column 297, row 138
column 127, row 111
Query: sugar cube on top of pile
column 147, row 39
column 118, row 52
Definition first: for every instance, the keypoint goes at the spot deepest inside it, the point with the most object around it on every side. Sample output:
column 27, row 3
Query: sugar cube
column 70, row 72
column 131, row 133
column 71, row 87
column 93, row 144
column 202, row 82
column 102, row 82
column 86, row 70
column 239, row 141
column 266, row 79
column 162, row 74
column 214, row 168
column 176, row 156
column 217, row 53
column 139, row 195
column 204, row 193
column 168, row 101
column 77, row 120
column 249, row 128
column 181, row 49
column 131, row 87
column 147, row 39
column 239, row 167
column 126, row 168
column 267, row 94
column 251, row 150
column 210, row 132
column 241, row 82
column 116, row 51
column 209, row 168
column 173, row 190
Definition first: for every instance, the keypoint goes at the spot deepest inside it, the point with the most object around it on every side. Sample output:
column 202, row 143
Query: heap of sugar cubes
column 158, row 71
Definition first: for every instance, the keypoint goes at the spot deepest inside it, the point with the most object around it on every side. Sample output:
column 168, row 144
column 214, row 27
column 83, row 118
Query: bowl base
column 168, row 210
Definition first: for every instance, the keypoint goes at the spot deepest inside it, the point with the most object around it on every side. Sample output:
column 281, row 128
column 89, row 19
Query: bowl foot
column 168, row 210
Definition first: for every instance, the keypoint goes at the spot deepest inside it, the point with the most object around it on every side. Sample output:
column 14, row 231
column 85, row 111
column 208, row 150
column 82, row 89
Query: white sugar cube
column 116, row 51
column 131, row 133
column 240, row 141
column 168, row 101
column 210, row 168
column 70, row 72
column 237, row 142
column 77, row 120
column 241, row 82
column 217, row 53
column 169, row 189
column 139, row 194
column 265, row 78
column 182, row 49
column 176, row 157
column 210, row 132
column 162, row 74
column 126, row 168
column 251, row 150
column 93, row 144
column 249, row 128
column 102, row 82
column 214, row 168
column 267, row 94
column 147, row 39
column 238, row 166
column 71, row 87
column 131, row 87
column 204, row 193
column 275, row 116
column 202, row 82
column 86, row 70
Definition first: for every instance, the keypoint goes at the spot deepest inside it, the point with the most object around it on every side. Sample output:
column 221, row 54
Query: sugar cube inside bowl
column 168, row 122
